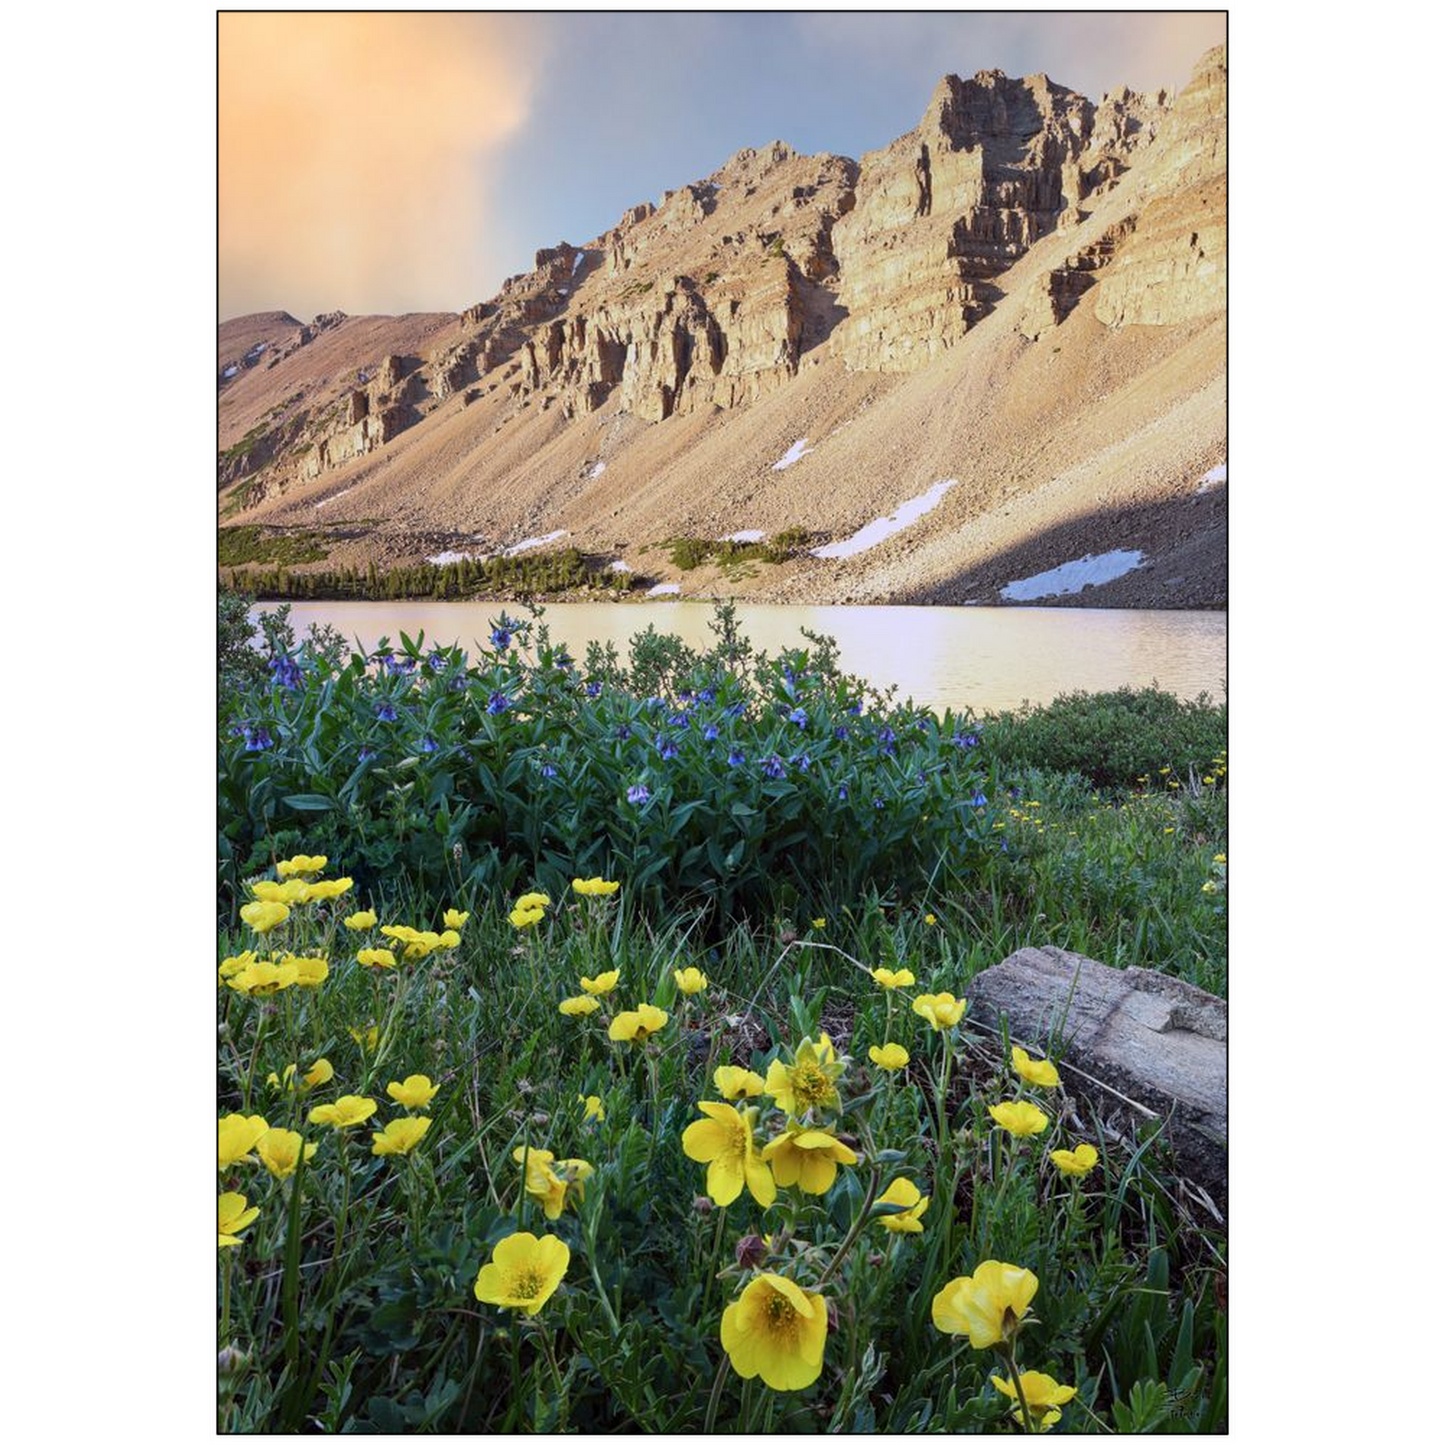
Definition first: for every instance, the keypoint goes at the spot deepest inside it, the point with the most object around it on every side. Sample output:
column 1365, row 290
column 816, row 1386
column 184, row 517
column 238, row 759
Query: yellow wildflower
column 553, row 1187
column 888, row 978
column 988, row 1306
column 808, row 1158
column 294, row 890
column 521, row 917
column 582, row 1004
column 1035, row 1071
column 690, row 980
column 415, row 1091
column 603, row 983
column 346, row 1113
column 232, row 1217
column 724, row 1142
column 594, row 887
column 236, row 1136
column 636, row 1025
column 310, row 972
column 809, row 1082
column 890, row 1056
column 913, row 1205
column 930, row 919
column 592, row 1110
column 942, row 1010
column 1042, row 1394
column 454, row 918
column 366, row 1037
column 263, row 977
column 534, row 900
column 280, row 1151
column 777, row 1330
column 376, row 958
column 1077, row 1161
column 263, row 917
column 401, row 1136
column 735, row 1083
column 1019, row 1117
column 360, row 922
column 301, row 864
column 523, row 1273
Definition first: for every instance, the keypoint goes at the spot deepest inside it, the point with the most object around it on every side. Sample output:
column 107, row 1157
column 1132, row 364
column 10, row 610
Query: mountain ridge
column 1023, row 297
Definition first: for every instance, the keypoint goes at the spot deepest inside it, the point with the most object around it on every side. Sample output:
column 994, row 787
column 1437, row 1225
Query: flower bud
column 701, row 1204
column 832, row 1314
column 750, row 1251
column 231, row 1361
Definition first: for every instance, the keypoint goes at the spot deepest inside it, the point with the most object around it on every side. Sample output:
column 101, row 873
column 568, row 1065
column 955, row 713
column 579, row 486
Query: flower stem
column 853, row 1233
column 1018, row 1384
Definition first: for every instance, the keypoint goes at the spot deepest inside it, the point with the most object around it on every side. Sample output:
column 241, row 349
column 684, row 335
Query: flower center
column 781, row 1315
column 811, row 1085
column 527, row 1285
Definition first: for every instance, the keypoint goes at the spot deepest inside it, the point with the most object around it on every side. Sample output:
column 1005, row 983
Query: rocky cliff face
column 733, row 290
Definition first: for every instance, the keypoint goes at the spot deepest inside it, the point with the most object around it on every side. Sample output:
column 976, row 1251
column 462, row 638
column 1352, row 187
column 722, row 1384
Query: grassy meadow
column 592, row 1055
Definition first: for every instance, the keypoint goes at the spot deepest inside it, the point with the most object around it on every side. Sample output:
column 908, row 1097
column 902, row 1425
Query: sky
column 390, row 162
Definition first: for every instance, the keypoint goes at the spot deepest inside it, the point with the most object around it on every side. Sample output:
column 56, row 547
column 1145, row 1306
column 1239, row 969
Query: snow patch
column 794, row 453
column 528, row 543
column 231, row 370
column 882, row 528
column 1214, row 477
column 326, row 501
column 443, row 559
column 750, row 535
column 1074, row 576
column 577, row 261
column 665, row 589
column 597, row 470
column 562, row 290
column 618, row 565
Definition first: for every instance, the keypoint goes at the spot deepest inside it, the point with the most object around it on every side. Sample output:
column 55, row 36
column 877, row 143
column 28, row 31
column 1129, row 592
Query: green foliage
column 687, row 553
column 386, row 1334
column 759, row 773
column 236, row 546
column 531, row 574
column 1112, row 738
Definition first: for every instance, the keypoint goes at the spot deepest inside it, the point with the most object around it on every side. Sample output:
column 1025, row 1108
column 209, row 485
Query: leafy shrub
column 1111, row 738
column 686, row 553
column 236, row 546
column 739, row 779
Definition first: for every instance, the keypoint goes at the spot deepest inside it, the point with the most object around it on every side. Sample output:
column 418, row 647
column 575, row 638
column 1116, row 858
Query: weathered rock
column 1172, row 268
column 1156, row 1041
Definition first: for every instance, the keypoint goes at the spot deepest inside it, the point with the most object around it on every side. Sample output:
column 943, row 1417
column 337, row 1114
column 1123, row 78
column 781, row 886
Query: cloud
column 354, row 154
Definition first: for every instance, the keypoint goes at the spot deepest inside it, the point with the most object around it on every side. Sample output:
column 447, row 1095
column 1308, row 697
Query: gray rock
column 1123, row 1036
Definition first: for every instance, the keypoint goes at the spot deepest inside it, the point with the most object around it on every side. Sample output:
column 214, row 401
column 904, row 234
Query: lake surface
column 986, row 658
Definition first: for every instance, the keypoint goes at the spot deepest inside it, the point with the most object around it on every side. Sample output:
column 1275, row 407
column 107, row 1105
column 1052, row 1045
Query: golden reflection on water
column 986, row 658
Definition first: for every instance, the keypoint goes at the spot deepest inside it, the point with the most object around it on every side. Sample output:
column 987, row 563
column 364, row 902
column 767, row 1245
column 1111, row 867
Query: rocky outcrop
column 1134, row 1041
column 719, row 293
column 1173, row 267
column 949, row 206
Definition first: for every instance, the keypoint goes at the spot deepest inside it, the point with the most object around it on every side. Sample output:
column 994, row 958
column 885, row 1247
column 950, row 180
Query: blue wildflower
column 548, row 771
column 773, row 767
column 385, row 712
column 258, row 740
column 801, row 760
column 736, row 709
column 594, row 689
column 653, row 703
column 842, row 792
column 877, row 802
column 666, row 747
column 736, row 758
column 623, row 733
column 284, row 672
column 428, row 745
column 436, row 660
column 798, row 716
column 638, row 793
column 501, row 638
column 708, row 694
column 498, row 702
column 979, row 800
column 857, row 708
column 679, row 720
column 365, row 755
column 841, row 733
column 965, row 740
column 710, row 732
